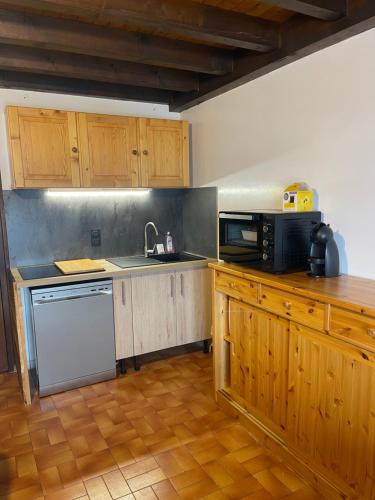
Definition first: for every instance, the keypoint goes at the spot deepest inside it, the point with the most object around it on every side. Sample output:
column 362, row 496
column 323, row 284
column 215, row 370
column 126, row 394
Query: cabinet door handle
column 182, row 284
column 123, row 293
column 371, row 332
column 75, row 150
column 287, row 305
column 145, row 152
column 134, row 152
column 172, row 287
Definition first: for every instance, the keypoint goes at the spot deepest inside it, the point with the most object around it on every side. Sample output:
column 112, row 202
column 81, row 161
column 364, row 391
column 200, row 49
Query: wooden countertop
column 111, row 271
column 351, row 292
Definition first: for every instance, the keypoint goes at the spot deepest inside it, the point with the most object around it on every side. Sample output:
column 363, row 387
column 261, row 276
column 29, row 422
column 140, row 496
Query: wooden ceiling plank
column 60, row 85
column 197, row 21
column 328, row 10
column 39, row 61
column 80, row 38
column 300, row 37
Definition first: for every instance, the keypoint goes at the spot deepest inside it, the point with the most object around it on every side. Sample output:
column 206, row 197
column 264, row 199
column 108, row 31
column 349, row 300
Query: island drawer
column 238, row 288
column 355, row 328
column 300, row 309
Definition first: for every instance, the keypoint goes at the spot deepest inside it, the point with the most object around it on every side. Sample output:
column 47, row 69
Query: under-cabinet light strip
column 96, row 193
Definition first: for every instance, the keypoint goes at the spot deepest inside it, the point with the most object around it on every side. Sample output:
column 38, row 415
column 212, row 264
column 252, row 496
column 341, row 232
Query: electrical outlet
column 96, row 239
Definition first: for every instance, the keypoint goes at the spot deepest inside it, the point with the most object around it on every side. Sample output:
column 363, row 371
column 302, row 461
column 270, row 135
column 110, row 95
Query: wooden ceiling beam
column 60, row 85
column 40, row 61
column 299, row 37
column 80, row 38
column 328, row 10
column 197, row 21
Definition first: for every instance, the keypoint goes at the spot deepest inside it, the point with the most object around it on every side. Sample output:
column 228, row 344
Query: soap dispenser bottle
column 169, row 246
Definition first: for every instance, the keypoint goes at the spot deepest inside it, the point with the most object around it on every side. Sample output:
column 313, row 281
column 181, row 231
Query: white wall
column 312, row 121
column 69, row 103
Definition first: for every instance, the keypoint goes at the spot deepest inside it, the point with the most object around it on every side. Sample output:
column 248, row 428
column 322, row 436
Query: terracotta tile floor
column 153, row 434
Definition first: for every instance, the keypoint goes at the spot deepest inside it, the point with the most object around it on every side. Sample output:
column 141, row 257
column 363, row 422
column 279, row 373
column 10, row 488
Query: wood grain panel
column 43, row 146
column 154, row 311
column 305, row 311
column 122, row 305
column 109, row 150
column 357, row 329
column 331, row 408
column 237, row 288
column 164, row 150
column 259, row 362
column 193, row 301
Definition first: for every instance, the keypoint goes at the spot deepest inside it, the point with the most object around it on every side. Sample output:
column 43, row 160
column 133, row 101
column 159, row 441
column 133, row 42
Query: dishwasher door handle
column 71, row 297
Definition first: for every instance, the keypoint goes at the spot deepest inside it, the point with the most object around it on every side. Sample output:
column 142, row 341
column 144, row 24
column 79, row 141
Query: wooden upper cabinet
column 108, row 150
column 43, row 148
column 164, row 151
column 63, row 149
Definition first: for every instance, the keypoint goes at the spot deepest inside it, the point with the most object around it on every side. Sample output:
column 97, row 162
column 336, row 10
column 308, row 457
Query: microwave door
column 239, row 240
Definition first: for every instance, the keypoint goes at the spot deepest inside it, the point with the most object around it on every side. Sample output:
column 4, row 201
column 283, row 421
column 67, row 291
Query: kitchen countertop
column 111, row 271
column 351, row 292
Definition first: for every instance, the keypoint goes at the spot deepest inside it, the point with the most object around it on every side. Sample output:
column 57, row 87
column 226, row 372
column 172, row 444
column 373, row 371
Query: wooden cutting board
column 79, row 266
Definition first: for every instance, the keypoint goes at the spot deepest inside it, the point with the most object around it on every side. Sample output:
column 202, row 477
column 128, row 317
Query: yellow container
column 298, row 197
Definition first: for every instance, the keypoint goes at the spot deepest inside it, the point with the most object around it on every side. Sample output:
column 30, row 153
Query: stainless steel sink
column 135, row 261
column 176, row 257
column 140, row 260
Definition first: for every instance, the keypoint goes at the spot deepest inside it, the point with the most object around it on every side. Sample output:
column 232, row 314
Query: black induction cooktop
column 38, row 272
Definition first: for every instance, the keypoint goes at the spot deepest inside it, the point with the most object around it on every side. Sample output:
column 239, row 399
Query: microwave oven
column 269, row 240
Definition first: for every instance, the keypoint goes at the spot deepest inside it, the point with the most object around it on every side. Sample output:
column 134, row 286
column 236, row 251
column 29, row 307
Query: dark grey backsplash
column 200, row 221
column 43, row 229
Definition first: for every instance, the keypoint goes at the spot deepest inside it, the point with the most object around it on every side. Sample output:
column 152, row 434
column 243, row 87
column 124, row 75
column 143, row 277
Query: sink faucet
column 147, row 251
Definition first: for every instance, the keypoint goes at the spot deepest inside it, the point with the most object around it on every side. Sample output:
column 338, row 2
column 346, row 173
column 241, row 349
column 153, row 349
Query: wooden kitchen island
column 294, row 357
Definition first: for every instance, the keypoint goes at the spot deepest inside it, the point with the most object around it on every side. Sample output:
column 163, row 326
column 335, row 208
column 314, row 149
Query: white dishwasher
column 74, row 335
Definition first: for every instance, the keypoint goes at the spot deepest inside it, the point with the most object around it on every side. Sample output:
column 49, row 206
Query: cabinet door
column 331, row 408
column 43, row 148
column 154, row 311
column 109, row 150
column 164, row 149
column 259, row 363
column 122, row 304
column 193, row 291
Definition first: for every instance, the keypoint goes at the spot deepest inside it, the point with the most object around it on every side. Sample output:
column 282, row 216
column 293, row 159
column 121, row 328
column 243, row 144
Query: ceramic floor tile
column 153, row 434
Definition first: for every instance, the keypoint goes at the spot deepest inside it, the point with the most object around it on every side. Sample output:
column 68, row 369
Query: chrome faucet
column 147, row 250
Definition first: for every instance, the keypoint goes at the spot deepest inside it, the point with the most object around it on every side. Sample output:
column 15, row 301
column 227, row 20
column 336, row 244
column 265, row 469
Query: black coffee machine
column 324, row 254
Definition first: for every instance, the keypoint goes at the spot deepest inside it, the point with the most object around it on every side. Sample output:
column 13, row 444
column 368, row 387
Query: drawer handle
column 287, row 305
column 123, row 294
column 371, row 332
column 232, row 284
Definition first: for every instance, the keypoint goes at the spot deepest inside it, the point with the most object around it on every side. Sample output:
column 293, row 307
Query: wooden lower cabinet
column 123, row 313
column 160, row 309
column 154, row 311
column 306, row 392
column 331, row 408
column 259, row 363
column 193, row 297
